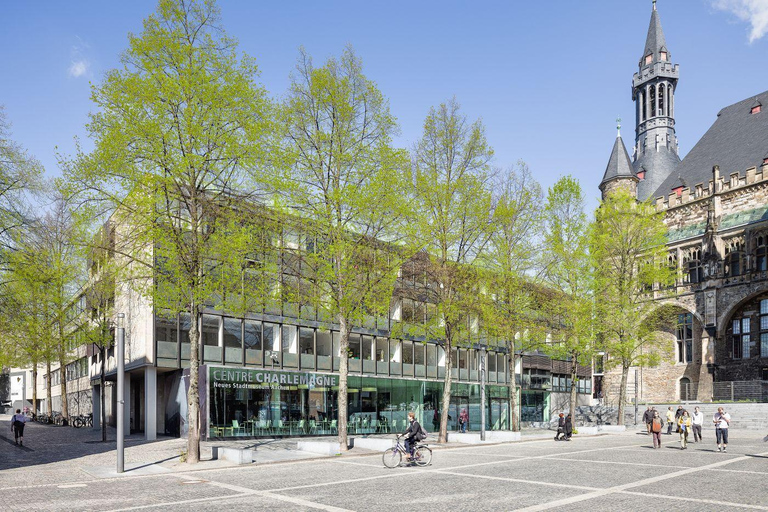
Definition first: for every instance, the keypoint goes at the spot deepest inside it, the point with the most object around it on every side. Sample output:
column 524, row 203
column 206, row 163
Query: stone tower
column 655, row 154
column 618, row 172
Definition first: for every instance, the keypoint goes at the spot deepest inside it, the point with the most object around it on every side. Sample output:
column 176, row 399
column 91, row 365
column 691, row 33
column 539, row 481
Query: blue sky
column 547, row 78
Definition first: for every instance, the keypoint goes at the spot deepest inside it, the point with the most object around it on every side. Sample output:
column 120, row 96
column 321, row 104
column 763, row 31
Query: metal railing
column 746, row 390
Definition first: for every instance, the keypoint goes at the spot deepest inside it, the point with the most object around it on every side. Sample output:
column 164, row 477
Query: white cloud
column 755, row 12
column 79, row 64
column 78, row 68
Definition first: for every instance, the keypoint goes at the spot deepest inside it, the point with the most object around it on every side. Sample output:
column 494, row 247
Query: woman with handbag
column 684, row 427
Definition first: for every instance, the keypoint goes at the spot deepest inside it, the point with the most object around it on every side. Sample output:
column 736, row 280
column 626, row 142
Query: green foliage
column 569, row 272
column 628, row 241
column 180, row 135
column 341, row 185
column 453, row 218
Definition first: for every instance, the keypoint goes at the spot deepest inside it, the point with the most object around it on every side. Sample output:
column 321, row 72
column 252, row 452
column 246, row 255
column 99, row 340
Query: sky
column 547, row 78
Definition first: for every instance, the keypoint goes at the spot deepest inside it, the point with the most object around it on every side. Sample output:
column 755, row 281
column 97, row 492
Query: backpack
column 422, row 434
column 656, row 425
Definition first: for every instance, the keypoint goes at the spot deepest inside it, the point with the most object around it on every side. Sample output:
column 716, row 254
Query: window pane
column 736, row 327
column 689, row 351
column 210, row 330
column 764, row 307
column 431, row 355
column 407, row 352
column 764, row 345
column 232, row 334
column 395, row 355
column 764, row 323
column 289, row 340
column 354, row 346
column 306, row 341
column 323, row 343
column 252, row 337
column 418, row 353
column 745, row 339
column 745, row 325
column 381, row 349
column 367, row 348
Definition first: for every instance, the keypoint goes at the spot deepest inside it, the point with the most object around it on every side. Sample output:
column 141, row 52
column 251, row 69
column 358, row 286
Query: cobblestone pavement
column 611, row 472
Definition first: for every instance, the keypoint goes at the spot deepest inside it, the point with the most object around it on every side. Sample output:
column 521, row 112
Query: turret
column 655, row 154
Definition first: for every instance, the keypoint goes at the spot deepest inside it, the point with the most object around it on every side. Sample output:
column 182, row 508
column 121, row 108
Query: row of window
column 284, row 344
column 533, row 378
column 742, row 334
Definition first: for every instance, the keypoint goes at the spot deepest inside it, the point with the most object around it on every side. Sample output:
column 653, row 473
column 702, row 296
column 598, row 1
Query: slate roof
column 736, row 141
column 619, row 164
column 654, row 41
column 658, row 166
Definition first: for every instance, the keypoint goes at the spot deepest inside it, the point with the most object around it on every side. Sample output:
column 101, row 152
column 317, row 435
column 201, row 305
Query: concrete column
column 150, row 403
column 127, row 404
column 96, row 406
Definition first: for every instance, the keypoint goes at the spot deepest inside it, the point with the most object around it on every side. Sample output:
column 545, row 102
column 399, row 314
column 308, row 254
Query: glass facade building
column 387, row 378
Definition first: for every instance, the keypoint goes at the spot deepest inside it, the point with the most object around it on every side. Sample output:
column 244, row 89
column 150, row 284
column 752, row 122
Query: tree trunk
column 622, row 393
column 63, row 379
column 193, row 395
column 574, row 376
column 102, row 388
column 343, row 377
column 443, row 436
column 514, row 418
column 34, row 389
column 48, row 388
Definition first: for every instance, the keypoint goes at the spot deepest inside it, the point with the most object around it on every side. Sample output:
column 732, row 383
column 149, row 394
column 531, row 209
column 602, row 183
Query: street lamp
column 120, row 391
column 482, row 393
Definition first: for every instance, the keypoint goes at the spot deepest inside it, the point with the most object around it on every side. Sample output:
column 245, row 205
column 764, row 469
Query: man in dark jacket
column 648, row 418
column 412, row 434
column 568, row 427
column 560, row 427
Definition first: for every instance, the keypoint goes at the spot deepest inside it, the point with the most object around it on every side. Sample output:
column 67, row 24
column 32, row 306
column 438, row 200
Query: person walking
column 463, row 420
column 17, row 427
column 657, row 425
column 647, row 417
column 697, row 421
column 721, row 420
column 678, row 412
column 684, row 427
column 560, row 427
column 670, row 420
column 568, row 427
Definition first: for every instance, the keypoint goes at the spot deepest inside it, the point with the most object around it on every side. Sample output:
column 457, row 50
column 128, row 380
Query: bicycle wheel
column 422, row 456
column 392, row 457
column 77, row 423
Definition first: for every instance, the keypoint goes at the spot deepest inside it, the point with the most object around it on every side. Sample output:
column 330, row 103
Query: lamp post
column 120, row 398
column 636, row 386
column 482, row 394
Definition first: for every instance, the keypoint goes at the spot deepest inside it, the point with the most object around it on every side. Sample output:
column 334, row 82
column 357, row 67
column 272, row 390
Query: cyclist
column 412, row 435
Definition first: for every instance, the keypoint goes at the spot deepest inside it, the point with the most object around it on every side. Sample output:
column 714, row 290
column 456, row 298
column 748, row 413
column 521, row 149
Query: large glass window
column 210, row 333
column 740, row 333
column 271, row 344
column 233, row 346
column 354, row 346
column 685, row 338
column 166, row 333
column 764, row 328
column 307, row 347
column 290, row 346
column 252, row 342
column 761, row 254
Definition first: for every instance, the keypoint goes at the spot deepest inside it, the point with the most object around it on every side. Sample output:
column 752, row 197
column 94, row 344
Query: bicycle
column 393, row 457
column 83, row 421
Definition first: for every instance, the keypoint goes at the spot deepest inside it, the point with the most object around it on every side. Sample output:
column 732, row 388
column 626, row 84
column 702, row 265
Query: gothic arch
column 722, row 319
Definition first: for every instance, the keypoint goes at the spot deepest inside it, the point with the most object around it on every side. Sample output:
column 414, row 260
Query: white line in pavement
column 518, row 480
column 281, row 497
column 721, row 504
column 71, row 486
column 618, row 488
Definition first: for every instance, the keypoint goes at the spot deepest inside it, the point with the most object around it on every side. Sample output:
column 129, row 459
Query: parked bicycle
column 393, row 457
column 82, row 421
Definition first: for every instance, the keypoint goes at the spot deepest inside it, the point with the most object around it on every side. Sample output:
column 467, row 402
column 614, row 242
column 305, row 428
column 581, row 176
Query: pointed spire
column 619, row 164
column 655, row 41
